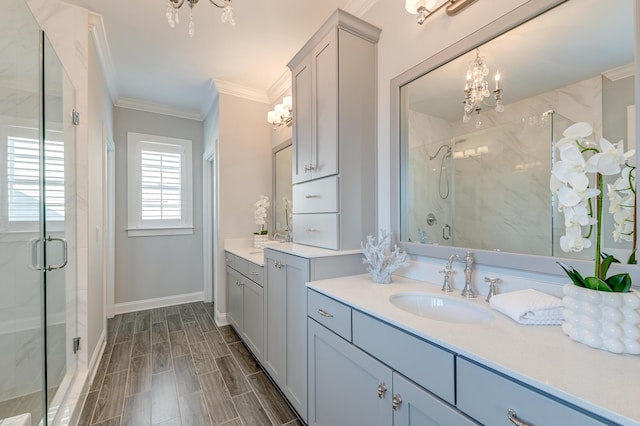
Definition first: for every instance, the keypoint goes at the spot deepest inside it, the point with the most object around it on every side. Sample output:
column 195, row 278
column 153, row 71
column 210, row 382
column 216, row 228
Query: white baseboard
column 221, row 319
column 159, row 302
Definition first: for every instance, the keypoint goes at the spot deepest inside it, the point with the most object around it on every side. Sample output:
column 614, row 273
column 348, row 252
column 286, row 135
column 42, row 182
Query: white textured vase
column 602, row 320
column 259, row 240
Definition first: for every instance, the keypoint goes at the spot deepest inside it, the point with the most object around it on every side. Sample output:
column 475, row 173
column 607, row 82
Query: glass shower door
column 58, row 213
column 21, row 328
column 37, row 303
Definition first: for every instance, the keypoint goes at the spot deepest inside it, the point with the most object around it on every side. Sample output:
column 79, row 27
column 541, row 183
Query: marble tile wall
column 499, row 199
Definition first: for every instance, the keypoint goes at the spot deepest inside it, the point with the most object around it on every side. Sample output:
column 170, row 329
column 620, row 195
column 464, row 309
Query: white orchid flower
column 579, row 130
column 577, row 216
column 573, row 241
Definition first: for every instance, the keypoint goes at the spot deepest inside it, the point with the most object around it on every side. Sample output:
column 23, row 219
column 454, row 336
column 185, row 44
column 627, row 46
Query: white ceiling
column 157, row 64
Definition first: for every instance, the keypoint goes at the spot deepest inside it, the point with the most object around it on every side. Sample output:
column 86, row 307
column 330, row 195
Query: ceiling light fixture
column 173, row 18
column 281, row 115
column 426, row 8
column 476, row 89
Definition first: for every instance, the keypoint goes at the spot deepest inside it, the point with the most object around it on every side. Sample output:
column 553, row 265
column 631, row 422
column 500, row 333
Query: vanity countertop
column 309, row 252
column 541, row 356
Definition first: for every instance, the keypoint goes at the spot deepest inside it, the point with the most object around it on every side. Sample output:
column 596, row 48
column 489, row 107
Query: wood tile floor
column 173, row 366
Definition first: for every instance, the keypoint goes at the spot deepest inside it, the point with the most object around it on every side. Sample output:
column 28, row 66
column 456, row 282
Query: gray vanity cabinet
column 334, row 128
column 285, row 356
column 350, row 386
column 245, row 296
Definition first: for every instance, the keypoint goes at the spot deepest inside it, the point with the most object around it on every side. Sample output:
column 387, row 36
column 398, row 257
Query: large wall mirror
column 282, row 189
column 480, row 179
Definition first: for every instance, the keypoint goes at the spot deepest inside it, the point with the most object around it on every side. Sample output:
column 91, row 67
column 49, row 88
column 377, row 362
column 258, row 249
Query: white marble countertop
column 308, row 252
column 542, row 356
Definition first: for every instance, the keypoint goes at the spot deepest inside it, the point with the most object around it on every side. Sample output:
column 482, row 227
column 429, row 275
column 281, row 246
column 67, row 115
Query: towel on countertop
column 529, row 307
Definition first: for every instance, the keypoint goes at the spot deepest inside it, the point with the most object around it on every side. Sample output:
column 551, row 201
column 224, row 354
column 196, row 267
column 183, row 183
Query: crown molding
column 618, row 73
column 157, row 108
column 359, row 7
column 233, row 89
column 209, row 99
column 99, row 37
column 280, row 87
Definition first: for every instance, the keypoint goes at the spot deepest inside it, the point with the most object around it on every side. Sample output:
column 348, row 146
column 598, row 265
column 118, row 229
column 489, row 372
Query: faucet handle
column 492, row 286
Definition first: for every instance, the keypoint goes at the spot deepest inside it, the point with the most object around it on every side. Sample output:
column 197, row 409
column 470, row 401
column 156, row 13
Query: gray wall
column 159, row 266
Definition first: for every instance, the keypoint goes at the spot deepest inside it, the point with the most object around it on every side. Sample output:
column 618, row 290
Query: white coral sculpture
column 381, row 259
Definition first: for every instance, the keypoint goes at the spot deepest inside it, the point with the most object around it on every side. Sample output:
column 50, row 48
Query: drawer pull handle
column 325, row 313
column 382, row 390
column 309, row 168
column 253, row 273
column 312, row 230
column 396, row 402
column 311, row 196
column 513, row 418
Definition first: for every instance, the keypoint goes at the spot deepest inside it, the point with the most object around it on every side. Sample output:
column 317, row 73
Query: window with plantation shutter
column 159, row 185
column 22, row 179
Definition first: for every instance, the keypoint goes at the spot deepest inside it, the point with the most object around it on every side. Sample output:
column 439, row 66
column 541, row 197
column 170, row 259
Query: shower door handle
column 64, row 253
column 34, row 255
column 446, row 232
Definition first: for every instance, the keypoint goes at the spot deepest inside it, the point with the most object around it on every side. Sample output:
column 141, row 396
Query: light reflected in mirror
column 282, row 189
column 483, row 183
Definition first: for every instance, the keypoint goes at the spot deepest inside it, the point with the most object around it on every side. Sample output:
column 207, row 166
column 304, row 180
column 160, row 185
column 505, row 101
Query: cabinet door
column 302, row 111
column 414, row 406
column 274, row 359
column 324, row 93
column 344, row 382
column 234, row 297
column 253, row 320
column 297, row 273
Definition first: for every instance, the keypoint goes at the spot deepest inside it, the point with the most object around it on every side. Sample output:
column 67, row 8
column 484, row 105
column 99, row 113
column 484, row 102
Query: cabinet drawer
column 255, row 273
column 487, row 396
column 241, row 265
column 230, row 259
column 427, row 364
column 320, row 230
column 318, row 196
column 330, row 313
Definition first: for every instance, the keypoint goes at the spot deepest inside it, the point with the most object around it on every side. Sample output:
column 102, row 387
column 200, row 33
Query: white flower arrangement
column 288, row 212
column 381, row 259
column 260, row 213
column 582, row 206
column 622, row 197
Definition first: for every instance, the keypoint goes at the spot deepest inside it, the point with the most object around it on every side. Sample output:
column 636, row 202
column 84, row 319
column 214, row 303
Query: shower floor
column 31, row 404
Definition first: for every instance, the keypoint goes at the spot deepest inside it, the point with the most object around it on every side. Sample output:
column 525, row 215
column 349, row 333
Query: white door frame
column 109, row 224
column 208, row 220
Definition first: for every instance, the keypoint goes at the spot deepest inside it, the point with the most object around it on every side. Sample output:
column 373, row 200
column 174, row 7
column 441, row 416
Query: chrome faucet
column 467, row 291
column 447, row 271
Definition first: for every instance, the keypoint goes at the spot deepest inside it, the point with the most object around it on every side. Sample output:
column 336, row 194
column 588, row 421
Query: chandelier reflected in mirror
column 173, row 18
column 476, row 90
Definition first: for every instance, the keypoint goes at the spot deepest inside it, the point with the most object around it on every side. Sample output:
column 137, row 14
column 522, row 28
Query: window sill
column 154, row 232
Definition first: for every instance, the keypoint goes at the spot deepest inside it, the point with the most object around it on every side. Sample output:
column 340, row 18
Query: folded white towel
column 529, row 307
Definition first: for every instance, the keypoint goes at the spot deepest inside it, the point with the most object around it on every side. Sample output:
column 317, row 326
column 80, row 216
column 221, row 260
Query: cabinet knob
column 382, row 390
column 513, row 418
column 308, row 168
column 396, row 402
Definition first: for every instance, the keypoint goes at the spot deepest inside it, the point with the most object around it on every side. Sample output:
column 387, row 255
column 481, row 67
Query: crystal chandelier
column 476, row 90
column 173, row 18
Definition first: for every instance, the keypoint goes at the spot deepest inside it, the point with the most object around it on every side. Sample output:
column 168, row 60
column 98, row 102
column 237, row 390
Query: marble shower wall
column 500, row 198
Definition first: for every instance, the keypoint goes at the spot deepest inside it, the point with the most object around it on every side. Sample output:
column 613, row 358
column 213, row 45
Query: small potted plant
column 260, row 216
column 600, row 311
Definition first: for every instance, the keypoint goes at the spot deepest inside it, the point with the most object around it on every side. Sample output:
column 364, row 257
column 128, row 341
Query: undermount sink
column 441, row 308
